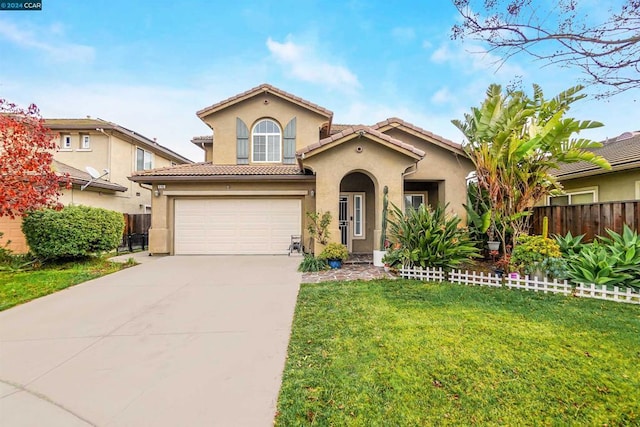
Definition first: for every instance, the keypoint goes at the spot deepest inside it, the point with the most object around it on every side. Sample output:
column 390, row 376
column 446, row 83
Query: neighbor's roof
column 394, row 122
column 80, row 177
column 622, row 152
column 204, row 139
column 60, row 125
column 361, row 130
column 209, row 170
column 262, row 89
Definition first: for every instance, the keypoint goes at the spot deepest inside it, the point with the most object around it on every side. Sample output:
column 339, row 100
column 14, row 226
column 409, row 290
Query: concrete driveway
column 191, row 341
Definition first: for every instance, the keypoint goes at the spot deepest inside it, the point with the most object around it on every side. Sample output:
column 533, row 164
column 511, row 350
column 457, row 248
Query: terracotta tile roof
column 80, row 177
column 399, row 122
column 264, row 88
column 209, row 169
column 360, row 129
column 337, row 128
column 61, row 125
column 622, row 152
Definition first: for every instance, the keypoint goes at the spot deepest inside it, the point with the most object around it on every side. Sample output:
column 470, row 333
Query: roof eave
column 150, row 179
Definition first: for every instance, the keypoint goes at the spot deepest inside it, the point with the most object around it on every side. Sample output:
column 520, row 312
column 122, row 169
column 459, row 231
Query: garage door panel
column 235, row 226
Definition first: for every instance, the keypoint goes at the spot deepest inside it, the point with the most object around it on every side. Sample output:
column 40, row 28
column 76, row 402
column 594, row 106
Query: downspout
column 405, row 173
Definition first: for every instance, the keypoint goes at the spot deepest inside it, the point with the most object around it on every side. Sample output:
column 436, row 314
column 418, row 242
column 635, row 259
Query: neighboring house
column 105, row 147
column 587, row 183
column 274, row 156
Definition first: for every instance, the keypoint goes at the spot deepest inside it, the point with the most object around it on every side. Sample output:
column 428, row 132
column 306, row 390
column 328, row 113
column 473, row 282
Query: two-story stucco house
column 273, row 156
column 112, row 150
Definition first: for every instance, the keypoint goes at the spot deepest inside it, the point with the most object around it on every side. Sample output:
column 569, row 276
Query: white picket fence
column 426, row 274
column 627, row 295
column 474, row 278
column 617, row 294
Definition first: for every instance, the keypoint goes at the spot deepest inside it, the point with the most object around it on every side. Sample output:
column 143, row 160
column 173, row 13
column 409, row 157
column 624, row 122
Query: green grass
column 20, row 287
column 406, row 353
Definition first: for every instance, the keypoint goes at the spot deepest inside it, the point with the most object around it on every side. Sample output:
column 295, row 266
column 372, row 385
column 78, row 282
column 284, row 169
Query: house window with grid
column 266, row 142
column 144, row 160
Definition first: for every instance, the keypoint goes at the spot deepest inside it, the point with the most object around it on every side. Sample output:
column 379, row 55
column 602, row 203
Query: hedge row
column 73, row 232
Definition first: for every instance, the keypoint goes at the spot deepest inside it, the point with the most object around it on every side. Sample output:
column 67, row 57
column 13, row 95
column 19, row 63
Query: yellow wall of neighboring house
column 612, row 186
column 12, row 233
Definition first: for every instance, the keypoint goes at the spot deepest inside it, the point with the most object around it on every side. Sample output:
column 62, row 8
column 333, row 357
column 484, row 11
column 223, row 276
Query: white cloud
column 442, row 96
column 303, row 63
column 403, row 34
column 42, row 40
column 474, row 58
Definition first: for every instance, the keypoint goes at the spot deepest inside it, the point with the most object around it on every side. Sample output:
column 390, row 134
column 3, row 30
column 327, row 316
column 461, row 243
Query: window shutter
column 242, row 142
column 289, row 150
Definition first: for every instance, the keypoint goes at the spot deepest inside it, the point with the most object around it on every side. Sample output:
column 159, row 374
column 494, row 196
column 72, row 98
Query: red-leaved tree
column 27, row 181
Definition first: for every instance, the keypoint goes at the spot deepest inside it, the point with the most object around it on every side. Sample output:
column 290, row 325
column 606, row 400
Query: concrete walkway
column 176, row 341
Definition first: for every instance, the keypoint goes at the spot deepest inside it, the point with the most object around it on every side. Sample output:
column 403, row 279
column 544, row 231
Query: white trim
column 65, row 142
column 85, row 150
column 637, row 190
column 575, row 192
column 85, row 142
column 363, row 216
column 235, row 193
column 266, row 147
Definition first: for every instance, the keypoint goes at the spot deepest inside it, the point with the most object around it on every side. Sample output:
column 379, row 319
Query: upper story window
column 85, row 142
column 144, row 159
column 65, row 142
column 267, row 142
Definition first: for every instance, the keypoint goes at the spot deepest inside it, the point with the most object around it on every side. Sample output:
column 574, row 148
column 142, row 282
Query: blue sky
column 150, row 66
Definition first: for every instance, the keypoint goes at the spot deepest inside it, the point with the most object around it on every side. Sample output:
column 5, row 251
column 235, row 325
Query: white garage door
column 235, row 226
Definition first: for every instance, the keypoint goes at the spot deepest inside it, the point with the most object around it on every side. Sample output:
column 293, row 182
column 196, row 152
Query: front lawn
column 20, row 287
column 410, row 353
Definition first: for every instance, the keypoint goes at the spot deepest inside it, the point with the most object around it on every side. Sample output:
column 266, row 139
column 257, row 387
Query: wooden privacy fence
column 136, row 231
column 589, row 219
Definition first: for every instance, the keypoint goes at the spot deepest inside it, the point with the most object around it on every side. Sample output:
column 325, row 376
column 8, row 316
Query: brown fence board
column 137, row 223
column 588, row 219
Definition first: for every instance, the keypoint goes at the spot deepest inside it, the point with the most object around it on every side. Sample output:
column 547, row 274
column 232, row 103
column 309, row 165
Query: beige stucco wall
column 613, row 186
column 116, row 153
column 442, row 165
column 250, row 111
column 383, row 165
column 161, row 233
column 12, row 231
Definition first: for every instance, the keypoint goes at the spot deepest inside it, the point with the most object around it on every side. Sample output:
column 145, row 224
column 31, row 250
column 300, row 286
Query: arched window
column 267, row 140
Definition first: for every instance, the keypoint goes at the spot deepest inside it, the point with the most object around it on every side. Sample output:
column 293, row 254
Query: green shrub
column 311, row 263
column 569, row 245
column 73, row 232
column 612, row 260
column 531, row 251
column 429, row 238
column 334, row 251
column 595, row 264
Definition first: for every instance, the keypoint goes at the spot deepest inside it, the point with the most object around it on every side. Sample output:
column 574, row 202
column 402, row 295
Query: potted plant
column 493, row 244
column 335, row 254
column 384, row 243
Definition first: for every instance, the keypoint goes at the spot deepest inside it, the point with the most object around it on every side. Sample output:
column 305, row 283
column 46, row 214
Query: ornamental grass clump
column 428, row 237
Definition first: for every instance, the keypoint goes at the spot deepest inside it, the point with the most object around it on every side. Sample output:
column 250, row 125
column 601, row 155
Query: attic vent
column 627, row 135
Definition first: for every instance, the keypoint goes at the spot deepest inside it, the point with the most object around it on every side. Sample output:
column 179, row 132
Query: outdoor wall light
column 312, row 193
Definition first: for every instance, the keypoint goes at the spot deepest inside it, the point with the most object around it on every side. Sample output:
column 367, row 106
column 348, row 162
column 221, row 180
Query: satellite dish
column 94, row 175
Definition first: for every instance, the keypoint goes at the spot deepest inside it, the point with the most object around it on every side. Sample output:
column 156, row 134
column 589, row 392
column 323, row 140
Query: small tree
column 514, row 141
column 27, row 181
column 318, row 226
